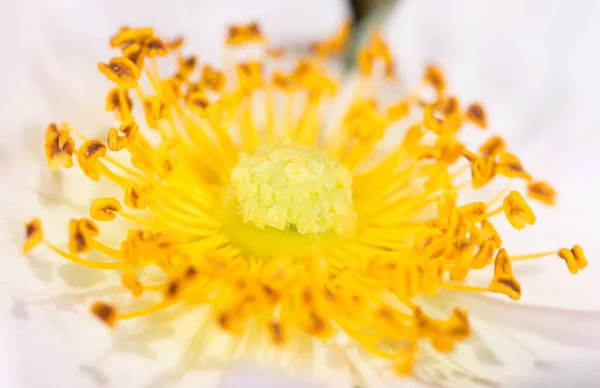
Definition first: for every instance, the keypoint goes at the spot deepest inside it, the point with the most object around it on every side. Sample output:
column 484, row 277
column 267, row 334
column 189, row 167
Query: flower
column 243, row 201
column 569, row 189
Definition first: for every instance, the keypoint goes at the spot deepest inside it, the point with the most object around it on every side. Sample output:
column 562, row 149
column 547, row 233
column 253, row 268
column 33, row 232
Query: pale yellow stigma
column 286, row 186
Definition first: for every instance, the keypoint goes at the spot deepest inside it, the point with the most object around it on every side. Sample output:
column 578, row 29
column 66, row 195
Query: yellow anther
column 114, row 141
column 92, row 149
column 127, row 35
column 422, row 322
column 225, row 320
column 446, row 106
column 459, row 324
column 474, row 212
column 377, row 52
column 213, row 79
column 462, row 263
column 198, row 102
column 87, row 158
column 33, row 234
column 130, row 128
column 163, row 163
column 175, row 44
column 318, row 84
column 439, row 122
column 118, row 101
column 131, row 283
column 492, row 147
column 286, row 82
column 434, row 77
column 510, row 166
column 136, row 53
column 484, row 255
column 476, row 114
column 194, row 87
column 106, row 313
column 313, row 79
column 121, row 71
column 517, row 211
column 483, row 170
column 103, row 209
column 59, row 147
column 154, row 110
column 190, row 273
column 334, row 44
column 81, row 233
column 398, row 111
column 155, row 46
column 450, row 149
column 249, row 76
column 245, row 33
column 443, row 334
column 542, row 192
column 277, row 333
column 574, row 258
column 503, row 281
column 317, row 325
column 134, row 196
column 88, row 227
column 187, row 65
column 489, row 232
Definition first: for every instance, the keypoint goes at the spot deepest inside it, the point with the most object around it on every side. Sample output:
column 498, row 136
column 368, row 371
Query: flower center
column 291, row 187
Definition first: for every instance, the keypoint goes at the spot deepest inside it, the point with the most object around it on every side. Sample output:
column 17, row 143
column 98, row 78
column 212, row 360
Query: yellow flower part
column 247, row 195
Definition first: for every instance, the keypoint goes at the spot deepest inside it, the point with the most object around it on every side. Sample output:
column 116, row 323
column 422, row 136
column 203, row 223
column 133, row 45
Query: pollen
column 247, row 198
column 297, row 187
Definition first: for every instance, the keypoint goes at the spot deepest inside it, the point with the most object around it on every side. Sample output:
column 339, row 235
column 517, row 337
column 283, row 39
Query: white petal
column 580, row 371
column 250, row 377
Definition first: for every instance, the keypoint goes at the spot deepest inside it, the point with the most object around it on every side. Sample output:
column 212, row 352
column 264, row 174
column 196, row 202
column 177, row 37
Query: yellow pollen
column 289, row 186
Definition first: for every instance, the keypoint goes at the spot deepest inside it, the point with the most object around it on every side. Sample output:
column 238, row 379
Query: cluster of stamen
column 411, row 238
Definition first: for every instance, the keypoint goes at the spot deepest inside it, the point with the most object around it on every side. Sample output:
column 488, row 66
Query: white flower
column 49, row 78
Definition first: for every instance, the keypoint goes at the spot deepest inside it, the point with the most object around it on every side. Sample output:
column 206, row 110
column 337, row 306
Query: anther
column 517, row 211
column 574, row 258
column 33, row 234
column 106, row 313
column 503, row 281
column 121, row 71
column 104, row 209
column 542, row 192
column 476, row 114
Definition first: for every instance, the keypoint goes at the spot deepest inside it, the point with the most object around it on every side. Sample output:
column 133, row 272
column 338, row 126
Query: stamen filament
column 145, row 311
column 87, row 263
column 533, row 256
